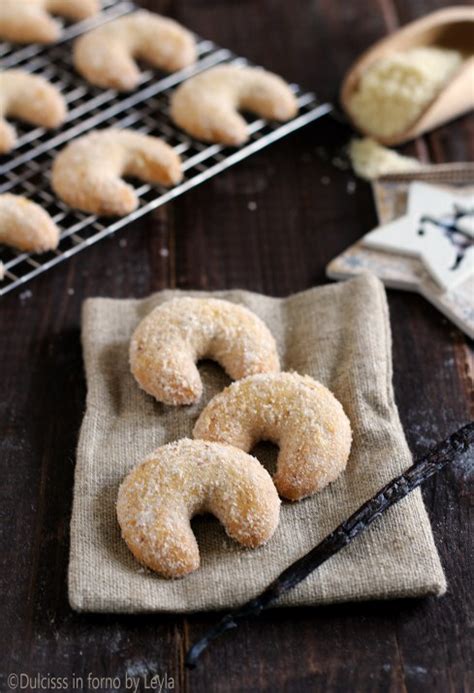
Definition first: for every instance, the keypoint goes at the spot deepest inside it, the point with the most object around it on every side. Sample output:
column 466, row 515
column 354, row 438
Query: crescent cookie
column 106, row 56
column 206, row 106
column 88, row 173
column 167, row 344
column 294, row 411
column 29, row 98
column 29, row 21
column 25, row 225
column 157, row 500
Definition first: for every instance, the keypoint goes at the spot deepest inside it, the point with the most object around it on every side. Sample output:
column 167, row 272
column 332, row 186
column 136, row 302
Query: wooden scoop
column 451, row 28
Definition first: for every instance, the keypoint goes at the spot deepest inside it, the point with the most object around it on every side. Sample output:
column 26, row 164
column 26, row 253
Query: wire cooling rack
column 26, row 171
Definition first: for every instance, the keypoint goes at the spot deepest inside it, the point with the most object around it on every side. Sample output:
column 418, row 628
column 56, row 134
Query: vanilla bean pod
column 441, row 455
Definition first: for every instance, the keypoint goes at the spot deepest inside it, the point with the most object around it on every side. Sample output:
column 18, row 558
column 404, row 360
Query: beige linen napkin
column 338, row 334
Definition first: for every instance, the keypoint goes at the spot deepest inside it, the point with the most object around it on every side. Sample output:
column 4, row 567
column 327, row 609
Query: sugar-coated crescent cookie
column 294, row 411
column 167, row 344
column 25, row 225
column 157, row 500
column 30, row 21
column 106, row 56
column 206, row 105
column 29, row 98
column 87, row 174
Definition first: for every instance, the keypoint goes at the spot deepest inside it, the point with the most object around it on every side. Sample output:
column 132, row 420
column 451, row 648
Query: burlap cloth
column 338, row 334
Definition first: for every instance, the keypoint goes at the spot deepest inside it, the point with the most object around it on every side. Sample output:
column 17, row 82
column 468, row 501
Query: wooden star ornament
column 438, row 228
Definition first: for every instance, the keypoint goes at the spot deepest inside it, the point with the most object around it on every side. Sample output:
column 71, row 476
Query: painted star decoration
column 438, row 228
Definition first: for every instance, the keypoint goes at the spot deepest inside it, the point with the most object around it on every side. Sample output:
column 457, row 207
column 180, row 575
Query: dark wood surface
column 212, row 238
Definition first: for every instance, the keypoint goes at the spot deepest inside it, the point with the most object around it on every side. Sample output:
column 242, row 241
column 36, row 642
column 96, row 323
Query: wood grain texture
column 270, row 224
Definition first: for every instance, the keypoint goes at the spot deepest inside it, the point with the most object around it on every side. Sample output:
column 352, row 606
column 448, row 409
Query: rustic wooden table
column 271, row 224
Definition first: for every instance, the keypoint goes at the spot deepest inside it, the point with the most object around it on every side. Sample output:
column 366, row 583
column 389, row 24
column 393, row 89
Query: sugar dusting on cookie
column 167, row 344
column 177, row 481
column 206, row 105
column 294, row 411
column 87, row 174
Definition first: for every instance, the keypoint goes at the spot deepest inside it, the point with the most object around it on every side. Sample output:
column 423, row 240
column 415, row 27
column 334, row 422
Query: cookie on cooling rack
column 87, row 174
column 24, row 225
column 206, row 106
column 106, row 56
column 29, row 98
column 30, row 21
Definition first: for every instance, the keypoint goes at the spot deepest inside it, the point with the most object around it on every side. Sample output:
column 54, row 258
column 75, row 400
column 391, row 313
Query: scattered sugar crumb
column 325, row 180
column 252, row 206
column 164, row 252
column 351, row 186
column 25, row 295
column 70, row 292
column 123, row 242
column 322, row 153
column 340, row 163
